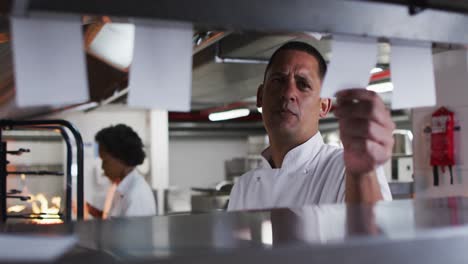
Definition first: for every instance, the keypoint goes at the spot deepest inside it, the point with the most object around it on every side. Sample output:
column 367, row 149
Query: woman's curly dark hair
column 123, row 143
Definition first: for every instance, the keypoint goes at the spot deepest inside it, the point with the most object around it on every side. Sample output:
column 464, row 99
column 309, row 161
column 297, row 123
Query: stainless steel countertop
column 420, row 231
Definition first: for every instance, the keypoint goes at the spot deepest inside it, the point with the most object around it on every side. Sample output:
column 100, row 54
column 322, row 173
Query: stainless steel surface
column 456, row 6
column 336, row 16
column 402, row 190
column 405, row 231
column 236, row 167
column 403, row 142
column 208, row 203
column 211, row 199
column 402, row 168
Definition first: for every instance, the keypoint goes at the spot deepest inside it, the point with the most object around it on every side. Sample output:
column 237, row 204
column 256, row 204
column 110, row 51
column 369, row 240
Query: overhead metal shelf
column 389, row 19
column 446, row 5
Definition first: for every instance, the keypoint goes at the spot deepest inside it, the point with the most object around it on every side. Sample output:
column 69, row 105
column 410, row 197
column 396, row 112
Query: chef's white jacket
column 133, row 197
column 311, row 173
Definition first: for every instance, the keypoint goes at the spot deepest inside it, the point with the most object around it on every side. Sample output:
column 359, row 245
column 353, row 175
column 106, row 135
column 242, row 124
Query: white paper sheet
column 161, row 72
column 412, row 74
column 351, row 61
column 49, row 61
column 114, row 44
column 34, row 248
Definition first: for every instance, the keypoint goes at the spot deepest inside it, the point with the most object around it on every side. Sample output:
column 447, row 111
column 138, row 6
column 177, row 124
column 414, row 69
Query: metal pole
column 3, row 178
column 68, row 181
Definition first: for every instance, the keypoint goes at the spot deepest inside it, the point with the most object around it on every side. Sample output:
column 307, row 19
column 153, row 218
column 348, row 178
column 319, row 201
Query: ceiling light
column 267, row 233
column 376, row 70
column 381, row 87
column 231, row 114
column 259, row 110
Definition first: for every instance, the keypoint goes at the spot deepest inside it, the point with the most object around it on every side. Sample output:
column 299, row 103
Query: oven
column 41, row 172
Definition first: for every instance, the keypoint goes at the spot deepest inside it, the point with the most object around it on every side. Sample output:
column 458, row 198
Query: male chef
column 298, row 167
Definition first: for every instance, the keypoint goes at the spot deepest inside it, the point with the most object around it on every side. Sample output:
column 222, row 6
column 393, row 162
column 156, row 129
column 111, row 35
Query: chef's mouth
column 288, row 108
column 287, row 111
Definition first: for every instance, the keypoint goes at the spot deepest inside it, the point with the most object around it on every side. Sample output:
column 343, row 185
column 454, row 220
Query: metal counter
column 420, row 231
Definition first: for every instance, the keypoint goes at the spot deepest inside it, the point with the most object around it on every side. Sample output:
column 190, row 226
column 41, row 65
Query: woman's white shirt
column 133, row 197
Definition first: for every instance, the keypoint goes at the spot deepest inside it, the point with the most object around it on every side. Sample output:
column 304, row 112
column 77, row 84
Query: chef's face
column 290, row 96
column 111, row 166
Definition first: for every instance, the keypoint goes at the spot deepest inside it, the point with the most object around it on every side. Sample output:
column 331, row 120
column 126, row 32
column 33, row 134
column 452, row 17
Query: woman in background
column 121, row 150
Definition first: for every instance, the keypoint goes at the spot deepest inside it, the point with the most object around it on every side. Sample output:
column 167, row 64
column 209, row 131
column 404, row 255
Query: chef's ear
column 325, row 106
column 260, row 95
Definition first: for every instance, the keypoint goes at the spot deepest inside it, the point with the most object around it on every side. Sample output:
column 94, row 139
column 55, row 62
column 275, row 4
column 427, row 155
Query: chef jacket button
column 306, row 171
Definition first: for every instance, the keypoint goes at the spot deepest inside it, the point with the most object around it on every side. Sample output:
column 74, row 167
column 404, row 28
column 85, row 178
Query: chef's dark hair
column 123, row 143
column 300, row 46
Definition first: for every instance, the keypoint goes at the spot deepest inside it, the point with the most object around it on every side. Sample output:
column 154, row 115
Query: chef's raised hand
column 365, row 130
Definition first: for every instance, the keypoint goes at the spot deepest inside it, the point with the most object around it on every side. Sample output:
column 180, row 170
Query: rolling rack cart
column 62, row 126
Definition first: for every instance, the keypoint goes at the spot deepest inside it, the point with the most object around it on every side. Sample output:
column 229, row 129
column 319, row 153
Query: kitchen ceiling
column 217, row 82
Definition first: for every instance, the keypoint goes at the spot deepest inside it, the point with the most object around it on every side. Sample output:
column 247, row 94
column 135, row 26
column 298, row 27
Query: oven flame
column 44, row 204
column 49, row 214
column 40, row 209
column 15, row 208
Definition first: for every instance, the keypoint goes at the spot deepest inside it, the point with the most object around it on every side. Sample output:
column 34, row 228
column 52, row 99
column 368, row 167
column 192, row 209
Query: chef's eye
column 303, row 85
column 277, row 79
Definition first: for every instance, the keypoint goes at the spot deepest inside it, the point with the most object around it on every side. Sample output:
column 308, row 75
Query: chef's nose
column 290, row 90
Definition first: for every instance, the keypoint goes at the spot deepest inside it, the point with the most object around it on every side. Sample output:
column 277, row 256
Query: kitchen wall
column 451, row 68
column 199, row 162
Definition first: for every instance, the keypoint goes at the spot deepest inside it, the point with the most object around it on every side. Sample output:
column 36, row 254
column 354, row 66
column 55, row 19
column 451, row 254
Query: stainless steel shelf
column 370, row 18
column 405, row 231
